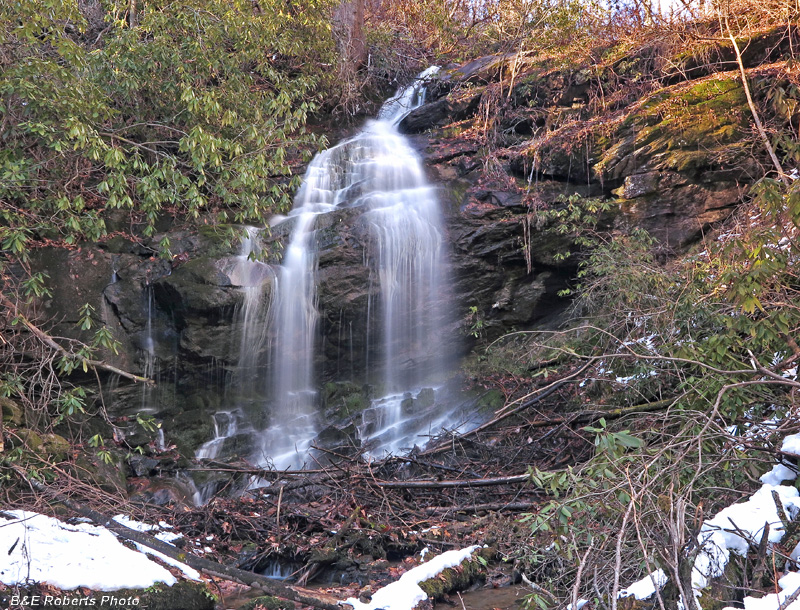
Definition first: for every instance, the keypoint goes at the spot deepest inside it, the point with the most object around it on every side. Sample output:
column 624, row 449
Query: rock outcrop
column 509, row 137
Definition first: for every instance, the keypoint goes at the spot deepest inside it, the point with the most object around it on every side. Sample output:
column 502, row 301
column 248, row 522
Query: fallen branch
column 538, row 395
column 520, row 478
column 585, row 416
column 494, row 507
column 312, row 568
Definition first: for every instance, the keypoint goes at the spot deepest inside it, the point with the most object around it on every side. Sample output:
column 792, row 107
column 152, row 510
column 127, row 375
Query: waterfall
column 272, row 400
column 250, row 275
column 150, row 368
column 406, row 255
column 379, row 171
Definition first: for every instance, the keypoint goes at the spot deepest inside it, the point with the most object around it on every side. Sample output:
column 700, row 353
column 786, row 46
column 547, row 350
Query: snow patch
column 646, row 587
column 778, row 474
column 791, row 444
column 42, row 549
column 405, row 593
column 734, row 529
column 737, row 526
column 788, row 584
column 154, row 530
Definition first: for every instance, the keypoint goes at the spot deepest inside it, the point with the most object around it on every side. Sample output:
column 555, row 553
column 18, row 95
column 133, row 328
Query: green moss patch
column 685, row 129
column 458, row 578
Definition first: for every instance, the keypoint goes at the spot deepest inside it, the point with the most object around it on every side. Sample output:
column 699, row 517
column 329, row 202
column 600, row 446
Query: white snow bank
column 789, row 584
column 750, row 517
column 778, row 474
column 157, row 531
column 791, row 444
column 405, row 593
column 738, row 525
column 42, row 549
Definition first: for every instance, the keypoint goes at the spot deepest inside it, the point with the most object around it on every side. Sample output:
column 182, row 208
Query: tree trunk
column 349, row 23
column 132, row 14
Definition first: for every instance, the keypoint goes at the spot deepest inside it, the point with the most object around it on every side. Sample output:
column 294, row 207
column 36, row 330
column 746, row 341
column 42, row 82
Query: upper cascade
column 407, row 98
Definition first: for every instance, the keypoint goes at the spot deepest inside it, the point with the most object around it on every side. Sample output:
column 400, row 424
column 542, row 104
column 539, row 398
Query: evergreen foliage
column 191, row 108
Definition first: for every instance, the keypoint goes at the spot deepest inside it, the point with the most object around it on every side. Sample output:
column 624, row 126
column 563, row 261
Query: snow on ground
column 789, row 584
column 36, row 548
column 791, row 444
column 733, row 530
column 405, row 593
column 645, row 588
column 738, row 526
column 157, row 532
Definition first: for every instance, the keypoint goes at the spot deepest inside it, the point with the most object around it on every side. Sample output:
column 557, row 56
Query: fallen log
column 594, row 415
column 474, row 508
column 526, row 401
column 580, row 417
column 212, row 568
column 519, row 478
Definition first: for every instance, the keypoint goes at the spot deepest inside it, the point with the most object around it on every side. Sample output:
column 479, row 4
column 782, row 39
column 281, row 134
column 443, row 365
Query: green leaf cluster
column 198, row 109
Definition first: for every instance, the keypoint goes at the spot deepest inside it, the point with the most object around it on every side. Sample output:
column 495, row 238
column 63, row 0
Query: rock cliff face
column 503, row 137
column 508, row 137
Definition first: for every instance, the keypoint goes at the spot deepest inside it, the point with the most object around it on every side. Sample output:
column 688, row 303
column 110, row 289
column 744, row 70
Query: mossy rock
column 268, row 602
column 109, row 476
column 492, row 400
column 345, row 398
column 407, row 404
column 183, row 595
column 29, row 439
column 55, row 447
column 243, row 443
column 684, row 129
column 426, row 398
column 355, row 403
column 219, row 240
column 326, row 554
column 192, row 426
column 12, row 412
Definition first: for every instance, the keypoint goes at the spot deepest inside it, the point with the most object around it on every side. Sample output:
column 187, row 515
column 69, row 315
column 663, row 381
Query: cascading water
column 246, row 388
column 292, row 427
column 156, row 346
column 150, row 368
column 406, row 254
column 379, row 171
